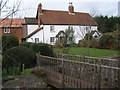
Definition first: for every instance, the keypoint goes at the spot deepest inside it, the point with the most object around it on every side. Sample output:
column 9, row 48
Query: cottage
column 52, row 22
column 12, row 26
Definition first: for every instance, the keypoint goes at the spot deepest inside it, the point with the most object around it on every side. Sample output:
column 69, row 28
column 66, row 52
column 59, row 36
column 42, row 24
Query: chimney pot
column 71, row 7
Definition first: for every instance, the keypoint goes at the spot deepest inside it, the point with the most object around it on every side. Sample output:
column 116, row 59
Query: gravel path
column 25, row 81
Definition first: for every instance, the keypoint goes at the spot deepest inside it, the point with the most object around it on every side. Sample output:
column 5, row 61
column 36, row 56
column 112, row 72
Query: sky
column 28, row 8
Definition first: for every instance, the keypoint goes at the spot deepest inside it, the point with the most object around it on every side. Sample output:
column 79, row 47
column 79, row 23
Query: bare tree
column 83, row 31
column 7, row 9
column 94, row 12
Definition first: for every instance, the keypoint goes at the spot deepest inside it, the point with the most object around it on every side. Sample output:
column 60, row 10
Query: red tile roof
column 14, row 22
column 64, row 18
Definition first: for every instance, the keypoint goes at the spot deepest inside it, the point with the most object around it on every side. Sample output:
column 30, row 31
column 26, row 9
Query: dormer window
column 52, row 28
column 6, row 30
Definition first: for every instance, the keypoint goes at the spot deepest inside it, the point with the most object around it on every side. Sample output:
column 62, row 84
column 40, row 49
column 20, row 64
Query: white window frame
column 52, row 39
column 6, row 30
column 36, row 40
column 52, row 28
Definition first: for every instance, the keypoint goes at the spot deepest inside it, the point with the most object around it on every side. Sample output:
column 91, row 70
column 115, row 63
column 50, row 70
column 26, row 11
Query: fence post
column 63, row 86
column 98, row 74
column 119, row 72
column 118, row 27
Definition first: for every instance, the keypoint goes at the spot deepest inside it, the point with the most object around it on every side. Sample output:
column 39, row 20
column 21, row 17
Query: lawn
column 92, row 52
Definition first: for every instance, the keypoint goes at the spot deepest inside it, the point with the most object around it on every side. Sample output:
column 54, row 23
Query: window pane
column 52, row 28
column 51, row 39
column 70, row 27
column 36, row 40
column 6, row 30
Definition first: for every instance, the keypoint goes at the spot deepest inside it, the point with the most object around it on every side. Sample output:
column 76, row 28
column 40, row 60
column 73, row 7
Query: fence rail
column 93, row 60
column 79, row 74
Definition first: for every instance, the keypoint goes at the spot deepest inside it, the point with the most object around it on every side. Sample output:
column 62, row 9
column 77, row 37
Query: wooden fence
column 76, row 74
column 92, row 60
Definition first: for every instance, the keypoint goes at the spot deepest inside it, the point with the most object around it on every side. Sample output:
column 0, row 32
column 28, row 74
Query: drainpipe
column 43, row 33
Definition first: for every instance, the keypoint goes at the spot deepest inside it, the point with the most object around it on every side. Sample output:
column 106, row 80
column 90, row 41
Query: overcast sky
column 103, row 7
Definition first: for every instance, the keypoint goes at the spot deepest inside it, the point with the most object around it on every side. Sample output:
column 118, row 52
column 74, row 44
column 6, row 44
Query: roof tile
column 64, row 18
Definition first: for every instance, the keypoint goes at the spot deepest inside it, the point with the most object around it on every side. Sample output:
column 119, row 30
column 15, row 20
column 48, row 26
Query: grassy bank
column 92, row 52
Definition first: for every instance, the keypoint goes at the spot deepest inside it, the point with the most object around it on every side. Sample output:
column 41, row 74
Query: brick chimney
column 39, row 14
column 71, row 8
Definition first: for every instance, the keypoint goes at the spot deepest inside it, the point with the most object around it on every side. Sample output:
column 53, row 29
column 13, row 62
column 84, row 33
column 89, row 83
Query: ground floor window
column 6, row 30
column 52, row 39
column 36, row 40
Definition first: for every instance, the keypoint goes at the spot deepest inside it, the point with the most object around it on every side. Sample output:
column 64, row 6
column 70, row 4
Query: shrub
column 106, row 41
column 13, row 70
column 42, row 48
column 9, row 41
column 26, row 71
column 94, row 44
column 83, row 43
column 40, row 72
column 26, row 44
column 17, row 56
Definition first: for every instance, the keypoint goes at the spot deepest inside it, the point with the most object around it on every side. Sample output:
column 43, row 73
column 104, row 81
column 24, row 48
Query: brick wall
column 14, row 31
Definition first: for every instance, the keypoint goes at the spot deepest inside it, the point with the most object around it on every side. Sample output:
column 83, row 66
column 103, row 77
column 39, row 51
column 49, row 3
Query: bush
column 106, row 41
column 94, row 44
column 83, row 43
column 40, row 72
column 9, row 41
column 26, row 44
column 17, row 56
column 42, row 48
column 26, row 71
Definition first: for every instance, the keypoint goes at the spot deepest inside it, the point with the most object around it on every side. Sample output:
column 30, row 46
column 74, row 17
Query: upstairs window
column 51, row 39
column 70, row 28
column 6, row 30
column 52, row 28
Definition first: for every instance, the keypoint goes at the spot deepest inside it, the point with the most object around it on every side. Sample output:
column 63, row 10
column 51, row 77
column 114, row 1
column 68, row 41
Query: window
column 70, row 38
column 51, row 39
column 70, row 28
column 36, row 40
column 52, row 28
column 6, row 30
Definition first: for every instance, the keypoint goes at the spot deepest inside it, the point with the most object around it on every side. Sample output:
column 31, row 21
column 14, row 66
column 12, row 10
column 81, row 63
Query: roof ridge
column 63, row 11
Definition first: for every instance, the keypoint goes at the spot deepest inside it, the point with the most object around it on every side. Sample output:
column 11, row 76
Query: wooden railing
column 93, row 60
column 76, row 74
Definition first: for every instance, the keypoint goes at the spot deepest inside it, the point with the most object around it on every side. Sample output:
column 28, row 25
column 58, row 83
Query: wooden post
column 63, row 86
column 118, row 27
column 98, row 78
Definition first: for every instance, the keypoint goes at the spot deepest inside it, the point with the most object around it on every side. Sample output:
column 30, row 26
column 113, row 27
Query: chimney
column 39, row 14
column 71, row 8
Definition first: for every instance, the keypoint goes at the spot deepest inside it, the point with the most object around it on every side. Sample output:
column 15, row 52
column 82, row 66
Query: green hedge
column 9, row 41
column 17, row 56
column 42, row 48
column 26, row 44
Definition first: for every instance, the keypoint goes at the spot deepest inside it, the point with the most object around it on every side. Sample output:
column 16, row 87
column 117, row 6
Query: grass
column 92, row 52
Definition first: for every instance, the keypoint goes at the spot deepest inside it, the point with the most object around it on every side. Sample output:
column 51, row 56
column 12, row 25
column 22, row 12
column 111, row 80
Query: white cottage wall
column 78, row 30
column 31, row 28
column 45, row 34
column 37, row 35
